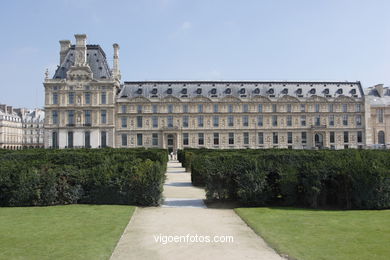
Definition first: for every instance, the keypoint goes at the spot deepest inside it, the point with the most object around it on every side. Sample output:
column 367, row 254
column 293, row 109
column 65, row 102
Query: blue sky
column 199, row 40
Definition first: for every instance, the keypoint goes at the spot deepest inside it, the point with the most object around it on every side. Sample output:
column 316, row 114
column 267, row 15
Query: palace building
column 87, row 105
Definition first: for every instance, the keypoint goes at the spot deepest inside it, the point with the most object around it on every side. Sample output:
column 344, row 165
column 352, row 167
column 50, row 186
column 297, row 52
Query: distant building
column 33, row 131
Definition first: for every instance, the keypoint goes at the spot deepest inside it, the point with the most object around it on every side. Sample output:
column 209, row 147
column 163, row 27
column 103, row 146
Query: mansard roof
column 96, row 59
column 240, row 89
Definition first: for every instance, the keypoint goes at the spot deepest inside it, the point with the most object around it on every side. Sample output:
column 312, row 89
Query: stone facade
column 11, row 133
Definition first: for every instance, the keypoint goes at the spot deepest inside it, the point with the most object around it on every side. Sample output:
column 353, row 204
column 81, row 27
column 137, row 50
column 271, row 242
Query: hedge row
column 350, row 179
column 40, row 177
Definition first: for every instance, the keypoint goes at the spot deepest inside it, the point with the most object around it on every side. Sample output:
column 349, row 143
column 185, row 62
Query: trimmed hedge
column 41, row 177
column 350, row 179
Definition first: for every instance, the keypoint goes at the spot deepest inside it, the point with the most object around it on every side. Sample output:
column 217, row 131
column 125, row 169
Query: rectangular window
column 154, row 109
column 123, row 108
column 87, row 114
column 103, row 116
column 289, row 108
column 358, row 120
column 345, row 108
column 245, row 121
column 260, row 120
column 55, row 98
column 87, row 97
column 154, row 121
column 71, row 98
column 230, row 108
column 87, row 139
column 170, row 121
column 346, row 137
column 216, row 121
column 55, row 116
column 185, row 139
column 139, row 140
column 331, row 137
column 231, row 138
column 185, row 121
column 139, row 121
column 124, row 139
column 103, row 139
column 230, row 121
column 274, row 120
column 200, row 108
column 216, row 108
column 185, row 108
column 260, row 138
column 246, row 138
column 317, row 108
column 317, row 120
column 216, row 138
column 70, row 139
column 358, row 108
column 71, row 117
column 245, row 108
column 330, row 108
column 54, row 140
column 289, row 120
column 345, row 120
column 170, row 108
column 124, row 121
column 274, row 108
column 154, row 139
column 303, row 137
column 380, row 113
column 359, row 136
column 331, row 120
column 289, row 138
column 200, row 121
column 303, row 107
column 200, row 138
column 275, row 138
column 260, row 108
column 103, row 98
column 139, row 109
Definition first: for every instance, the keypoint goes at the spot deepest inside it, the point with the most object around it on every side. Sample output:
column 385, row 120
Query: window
column 345, row 108
column 154, row 121
column 345, row 120
column 103, row 98
column 185, row 108
column 260, row 108
column 359, row 136
column 124, row 121
column 54, row 140
column 346, row 137
column 55, row 98
column 200, row 108
column 230, row 121
column 200, row 121
column 124, row 139
column 275, row 138
column 216, row 138
column 139, row 109
column 231, row 138
column 274, row 108
column 87, row 114
column 358, row 120
column 381, row 137
column 139, row 140
column 317, row 108
column 260, row 138
column 304, row 137
column 303, row 107
column 154, row 109
column 330, row 108
column 55, row 116
column 185, row 139
column 103, row 118
column 274, row 120
column 215, row 108
column 260, row 120
column 185, row 121
column 289, row 108
column 358, row 108
column 289, row 137
column 246, row 138
column 245, row 121
column 70, row 139
column 230, row 108
column 103, row 139
column 317, row 120
column 139, row 121
column 123, row 108
column 380, row 113
column 154, row 139
column 331, row 137
column 170, row 121
column 87, row 139
column 245, row 108
column 289, row 120
column 331, row 120
column 71, row 98
column 215, row 121
column 200, row 138
column 87, row 97
column 170, row 108
column 71, row 117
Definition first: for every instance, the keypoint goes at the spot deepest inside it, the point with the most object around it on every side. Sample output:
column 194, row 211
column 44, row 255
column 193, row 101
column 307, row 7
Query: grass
column 322, row 234
column 62, row 232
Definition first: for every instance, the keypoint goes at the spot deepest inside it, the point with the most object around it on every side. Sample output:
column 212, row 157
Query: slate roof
column 96, row 59
column 240, row 89
column 375, row 99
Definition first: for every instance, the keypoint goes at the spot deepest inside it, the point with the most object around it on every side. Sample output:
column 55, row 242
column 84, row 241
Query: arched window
column 381, row 137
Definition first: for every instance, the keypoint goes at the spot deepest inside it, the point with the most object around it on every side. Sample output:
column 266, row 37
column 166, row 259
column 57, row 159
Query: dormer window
column 299, row 91
column 242, row 91
column 340, row 91
column 198, row 91
column 257, row 91
column 312, row 91
column 285, row 91
column 228, row 91
column 184, row 91
column 139, row 91
column 353, row 91
column 154, row 91
column 169, row 91
column 271, row 91
column 326, row 91
column 214, row 91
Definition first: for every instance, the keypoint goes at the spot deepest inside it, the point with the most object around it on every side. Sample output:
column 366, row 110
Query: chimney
column 80, row 50
column 379, row 89
column 3, row 107
column 115, row 69
column 10, row 109
column 65, row 45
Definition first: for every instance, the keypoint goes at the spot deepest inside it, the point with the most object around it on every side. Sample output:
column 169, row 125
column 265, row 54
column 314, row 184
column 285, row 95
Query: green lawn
column 323, row 234
column 62, row 232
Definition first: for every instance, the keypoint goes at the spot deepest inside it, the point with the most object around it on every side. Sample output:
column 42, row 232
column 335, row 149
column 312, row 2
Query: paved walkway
column 184, row 214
